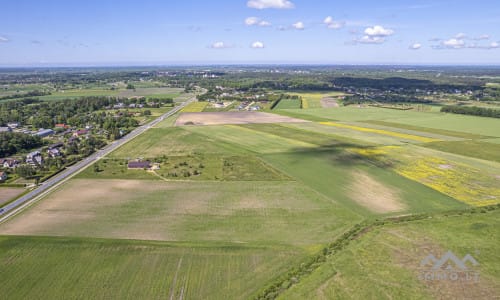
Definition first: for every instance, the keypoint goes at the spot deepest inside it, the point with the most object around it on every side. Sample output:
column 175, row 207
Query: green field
column 150, row 92
column 432, row 120
column 313, row 100
column 262, row 200
column 288, row 104
column 75, row 268
column 385, row 262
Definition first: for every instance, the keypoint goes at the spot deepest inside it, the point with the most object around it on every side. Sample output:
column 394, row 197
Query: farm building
column 80, row 132
column 56, row 145
column 3, row 176
column 44, row 132
column 62, row 126
column 139, row 164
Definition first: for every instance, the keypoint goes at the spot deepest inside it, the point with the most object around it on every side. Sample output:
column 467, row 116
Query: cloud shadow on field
column 343, row 153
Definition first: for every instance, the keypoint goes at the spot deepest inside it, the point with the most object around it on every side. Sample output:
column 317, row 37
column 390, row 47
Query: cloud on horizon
column 257, row 45
column 373, row 35
column 459, row 42
column 254, row 21
column 415, row 46
column 332, row 24
column 220, row 45
column 299, row 25
column 264, row 4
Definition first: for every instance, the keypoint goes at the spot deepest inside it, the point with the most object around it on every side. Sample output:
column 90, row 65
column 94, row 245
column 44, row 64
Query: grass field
column 288, row 104
column 313, row 100
column 477, row 149
column 431, row 120
column 385, row 262
column 106, row 91
column 265, row 198
column 75, row 268
column 152, row 93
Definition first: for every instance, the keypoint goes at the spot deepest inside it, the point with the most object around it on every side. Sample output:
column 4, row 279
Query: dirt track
column 238, row 117
column 329, row 102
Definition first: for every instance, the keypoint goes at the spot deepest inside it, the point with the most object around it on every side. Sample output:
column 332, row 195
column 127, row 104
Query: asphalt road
column 14, row 207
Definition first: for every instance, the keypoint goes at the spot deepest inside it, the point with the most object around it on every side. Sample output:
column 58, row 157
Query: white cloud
column 453, row 43
column 415, row 46
column 251, row 21
column 378, row 31
column 460, row 36
column 257, row 45
column 3, row 39
column 263, row 4
column 492, row 45
column 219, row 45
column 370, row 40
column 332, row 24
column 299, row 25
column 328, row 20
column 482, row 37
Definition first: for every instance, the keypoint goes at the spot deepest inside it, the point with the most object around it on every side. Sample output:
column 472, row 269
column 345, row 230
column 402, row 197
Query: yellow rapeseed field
column 383, row 132
column 195, row 107
column 459, row 181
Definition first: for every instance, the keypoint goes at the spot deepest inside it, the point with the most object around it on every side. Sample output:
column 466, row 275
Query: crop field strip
column 124, row 269
column 400, row 135
column 195, row 107
column 435, row 122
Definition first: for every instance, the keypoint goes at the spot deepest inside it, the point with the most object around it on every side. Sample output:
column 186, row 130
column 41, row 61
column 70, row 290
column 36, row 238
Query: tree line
column 13, row 142
column 472, row 110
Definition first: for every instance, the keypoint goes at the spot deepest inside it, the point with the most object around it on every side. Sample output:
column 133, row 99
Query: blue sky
column 91, row 32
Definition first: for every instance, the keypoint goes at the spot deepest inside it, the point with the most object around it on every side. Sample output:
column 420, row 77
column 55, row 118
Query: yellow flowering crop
column 195, row 107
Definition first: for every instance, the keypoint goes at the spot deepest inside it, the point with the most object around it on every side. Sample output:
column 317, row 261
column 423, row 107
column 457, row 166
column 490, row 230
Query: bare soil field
column 180, row 211
column 7, row 194
column 375, row 196
column 243, row 117
column 329, row 102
